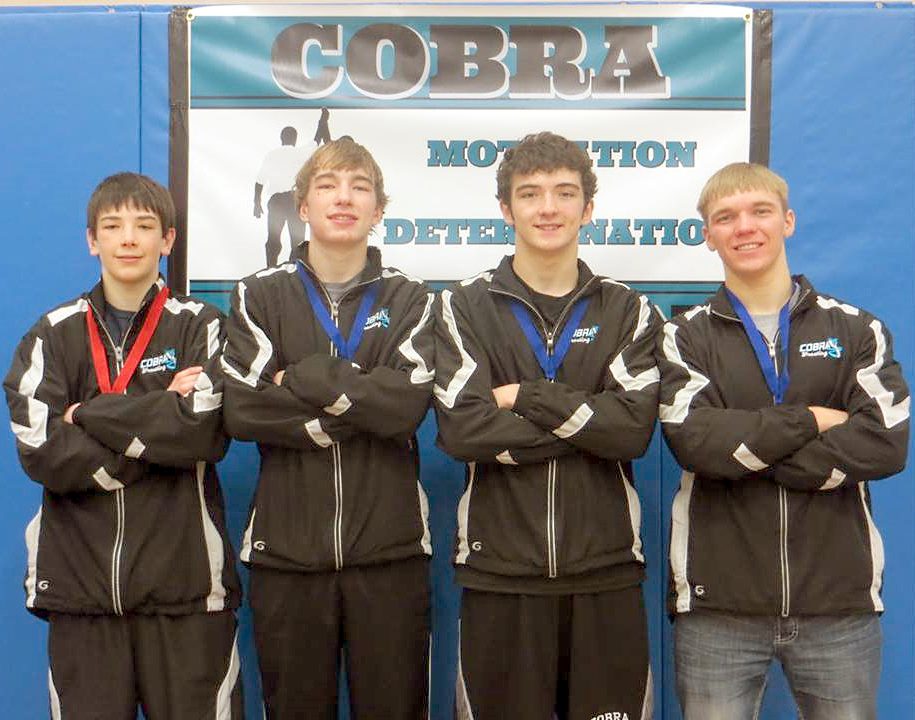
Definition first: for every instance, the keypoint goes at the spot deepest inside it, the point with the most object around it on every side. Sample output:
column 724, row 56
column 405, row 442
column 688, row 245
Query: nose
column 548, row 205
column 344, row 194
column 128, row 234
column 745, row 223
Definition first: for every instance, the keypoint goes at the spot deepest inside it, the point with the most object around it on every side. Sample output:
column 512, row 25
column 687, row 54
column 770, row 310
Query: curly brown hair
column 544, row 152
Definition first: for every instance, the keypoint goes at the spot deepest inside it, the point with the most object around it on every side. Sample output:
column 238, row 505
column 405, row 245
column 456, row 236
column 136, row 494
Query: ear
column 303, row 211
column 586, row 214
column 168, row 242
column 790, row 220
column 91, row 242
column 507, row 212
column 708, row 239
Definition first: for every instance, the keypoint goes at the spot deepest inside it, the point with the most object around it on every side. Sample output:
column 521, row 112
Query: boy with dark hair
column 328, row 368
column 780, row 403
column 546, row 385
column 115, row 402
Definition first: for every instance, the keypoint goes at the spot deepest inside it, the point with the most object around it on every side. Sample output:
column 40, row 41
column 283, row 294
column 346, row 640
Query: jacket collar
column 505, row 281
column 720, row 304
column 370, row 273
column 96, row 296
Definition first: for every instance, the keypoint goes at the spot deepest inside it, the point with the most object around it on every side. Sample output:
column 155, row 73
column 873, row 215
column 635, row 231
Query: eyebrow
column 535, row 186
column 755, row 205
column 333, row 175
column 115, row 215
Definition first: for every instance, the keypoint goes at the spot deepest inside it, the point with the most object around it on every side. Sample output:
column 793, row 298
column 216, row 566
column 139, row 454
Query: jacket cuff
column 526, row 398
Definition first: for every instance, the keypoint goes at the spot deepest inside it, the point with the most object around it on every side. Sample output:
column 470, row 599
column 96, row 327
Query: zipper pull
column 119, row 354
column 771, row 349
column 549, row 343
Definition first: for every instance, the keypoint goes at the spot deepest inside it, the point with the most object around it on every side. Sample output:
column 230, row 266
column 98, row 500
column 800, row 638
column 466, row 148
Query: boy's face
column 129, row 242
column 340, row 206
column 748, row 231
column 547, row 209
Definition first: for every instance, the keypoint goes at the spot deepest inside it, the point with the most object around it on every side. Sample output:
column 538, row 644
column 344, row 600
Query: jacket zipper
column 782, row 511
column 337, row 459
column 782, row 493
column 552, row 467
column 336, row 454
column 552, row 472
column 120, row 504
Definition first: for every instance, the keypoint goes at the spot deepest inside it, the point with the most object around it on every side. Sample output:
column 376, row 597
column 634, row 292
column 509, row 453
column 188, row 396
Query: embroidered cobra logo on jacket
column 168, row 360
column 830, row 347
column 381, row 319
column 585, row 335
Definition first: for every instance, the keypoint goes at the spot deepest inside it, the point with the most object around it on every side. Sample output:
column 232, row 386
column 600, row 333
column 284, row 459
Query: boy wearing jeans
column 780, row 403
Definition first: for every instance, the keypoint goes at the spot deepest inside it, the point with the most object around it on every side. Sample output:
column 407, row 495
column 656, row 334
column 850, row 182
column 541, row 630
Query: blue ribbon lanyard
column 346, row 347
column 777, row 382
column 549, row 362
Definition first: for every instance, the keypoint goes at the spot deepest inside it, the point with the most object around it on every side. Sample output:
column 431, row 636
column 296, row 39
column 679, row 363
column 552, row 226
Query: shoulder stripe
column 611, row 281
column 677, row 411
column 448, row 396
column 693, row 311
column 869, row 379
column 62, row 313
column 644, row 317
column 176, row 306
column 36, row 432
column 829, row 303
column 629, row 383
column 421, row 373
column 264, row 346
column 387, row 273
column 288, row 268
column 485, row 276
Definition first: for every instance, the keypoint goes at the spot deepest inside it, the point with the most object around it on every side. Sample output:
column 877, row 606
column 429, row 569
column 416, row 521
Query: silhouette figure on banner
column 277, row 175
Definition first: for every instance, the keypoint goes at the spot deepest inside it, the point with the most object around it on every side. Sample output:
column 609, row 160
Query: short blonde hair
column 342, row 154
column 741, row 177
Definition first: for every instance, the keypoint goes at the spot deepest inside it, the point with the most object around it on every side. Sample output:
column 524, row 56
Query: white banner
column 660, row 96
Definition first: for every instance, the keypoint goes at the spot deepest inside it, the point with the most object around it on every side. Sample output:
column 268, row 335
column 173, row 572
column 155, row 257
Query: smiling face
column 748, row 229
column 547, row 209
column 341, row 206
column 129, row 242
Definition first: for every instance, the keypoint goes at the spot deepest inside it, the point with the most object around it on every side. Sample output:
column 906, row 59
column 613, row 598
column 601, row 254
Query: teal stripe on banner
column 670, row 297
column 231, row 65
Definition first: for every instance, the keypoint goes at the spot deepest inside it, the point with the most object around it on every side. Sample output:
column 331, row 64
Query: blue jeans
column 832, row 664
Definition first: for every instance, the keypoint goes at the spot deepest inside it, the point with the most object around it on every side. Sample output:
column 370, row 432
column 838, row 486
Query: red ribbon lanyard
column 100, row 358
